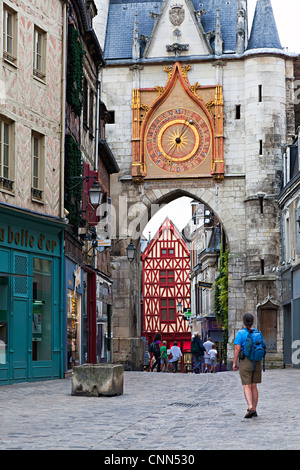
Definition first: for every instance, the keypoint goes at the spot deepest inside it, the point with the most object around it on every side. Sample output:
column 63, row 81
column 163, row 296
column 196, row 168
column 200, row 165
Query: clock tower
column 180, row 131
column 201, row 106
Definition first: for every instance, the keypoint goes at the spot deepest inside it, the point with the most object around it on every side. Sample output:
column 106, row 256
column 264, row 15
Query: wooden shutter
column 88, row 213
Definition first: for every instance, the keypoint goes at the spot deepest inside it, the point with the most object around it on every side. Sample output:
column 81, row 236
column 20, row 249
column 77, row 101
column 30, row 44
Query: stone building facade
column 199, row 57
column 88, row 161
column 31, row 190
column 289, row 268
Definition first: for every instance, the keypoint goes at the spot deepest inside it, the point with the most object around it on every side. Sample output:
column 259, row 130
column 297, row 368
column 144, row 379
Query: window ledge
column 6, row 185
column 39, row 76
column 37, row 195
column 10, row 60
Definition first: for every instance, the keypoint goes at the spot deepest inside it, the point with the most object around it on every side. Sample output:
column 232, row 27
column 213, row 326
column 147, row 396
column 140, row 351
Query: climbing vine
column 221, row 297
column 75, row 71
column 73, row 185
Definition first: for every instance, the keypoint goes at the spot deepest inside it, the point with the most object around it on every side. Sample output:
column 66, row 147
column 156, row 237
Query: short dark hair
column 248, row 320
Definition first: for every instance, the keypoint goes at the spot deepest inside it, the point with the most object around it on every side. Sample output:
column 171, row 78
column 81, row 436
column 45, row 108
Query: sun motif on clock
column 178, row 140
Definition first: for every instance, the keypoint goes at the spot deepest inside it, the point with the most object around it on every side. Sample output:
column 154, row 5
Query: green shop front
column 31, row 312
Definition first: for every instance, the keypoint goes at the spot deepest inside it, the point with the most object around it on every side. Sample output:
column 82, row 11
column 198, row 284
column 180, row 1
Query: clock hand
column 184, row 128
column 170, row 155
column 178, row 140
column 176, row 143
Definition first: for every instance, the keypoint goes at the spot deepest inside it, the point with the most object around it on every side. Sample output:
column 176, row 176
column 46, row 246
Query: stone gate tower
column 201, row 108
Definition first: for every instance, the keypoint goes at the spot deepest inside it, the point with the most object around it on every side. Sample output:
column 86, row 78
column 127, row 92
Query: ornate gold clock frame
column 177, row 129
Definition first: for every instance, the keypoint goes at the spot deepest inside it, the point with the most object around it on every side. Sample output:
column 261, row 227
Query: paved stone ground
column 157, row 412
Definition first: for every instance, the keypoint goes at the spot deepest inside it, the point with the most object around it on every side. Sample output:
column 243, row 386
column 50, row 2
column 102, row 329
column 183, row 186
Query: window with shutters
column 88, row 212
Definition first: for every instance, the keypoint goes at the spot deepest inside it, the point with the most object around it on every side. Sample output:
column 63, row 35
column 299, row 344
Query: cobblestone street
column 156, row 412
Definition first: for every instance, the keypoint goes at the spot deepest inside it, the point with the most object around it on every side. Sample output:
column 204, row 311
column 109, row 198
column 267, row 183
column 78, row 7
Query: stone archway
column 145, row 200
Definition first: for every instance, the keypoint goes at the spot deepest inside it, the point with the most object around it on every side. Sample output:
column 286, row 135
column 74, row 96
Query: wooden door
column 268, row 327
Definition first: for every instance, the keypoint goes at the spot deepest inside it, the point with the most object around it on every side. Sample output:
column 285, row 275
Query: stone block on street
column 97, row 380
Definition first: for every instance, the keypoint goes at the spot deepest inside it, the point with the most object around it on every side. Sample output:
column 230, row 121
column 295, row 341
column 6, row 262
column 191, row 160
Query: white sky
column 287, row 16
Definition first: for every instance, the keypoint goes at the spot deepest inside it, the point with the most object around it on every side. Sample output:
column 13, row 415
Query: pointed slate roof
column 121, row 17
column 264, row 34
column 169, row 226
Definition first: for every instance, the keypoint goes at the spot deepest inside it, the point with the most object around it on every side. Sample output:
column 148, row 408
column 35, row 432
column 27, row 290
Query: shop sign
column 205, row 285
column 104, row 242
column 77, row 278
column 24, row 238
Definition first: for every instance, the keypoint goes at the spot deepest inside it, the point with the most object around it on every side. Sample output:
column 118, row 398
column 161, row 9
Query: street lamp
column 179, row 307
column 131, row 249
column 95, row 194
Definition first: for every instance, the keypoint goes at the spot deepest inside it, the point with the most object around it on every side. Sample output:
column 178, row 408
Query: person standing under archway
column 249, row 377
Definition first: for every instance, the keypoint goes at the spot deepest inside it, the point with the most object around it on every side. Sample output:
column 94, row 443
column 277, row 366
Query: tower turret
column 264, row 33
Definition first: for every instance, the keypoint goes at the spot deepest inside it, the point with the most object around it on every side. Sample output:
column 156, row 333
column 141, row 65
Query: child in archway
column 164, row 357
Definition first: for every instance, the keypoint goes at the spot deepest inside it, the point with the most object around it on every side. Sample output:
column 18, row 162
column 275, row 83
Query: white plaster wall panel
column 163, row 35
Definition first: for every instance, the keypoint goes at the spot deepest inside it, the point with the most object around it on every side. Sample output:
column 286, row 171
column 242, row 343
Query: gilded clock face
column 178, row 140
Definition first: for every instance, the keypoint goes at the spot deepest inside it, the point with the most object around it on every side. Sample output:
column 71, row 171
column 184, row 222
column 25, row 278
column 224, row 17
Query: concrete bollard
column 94, row 380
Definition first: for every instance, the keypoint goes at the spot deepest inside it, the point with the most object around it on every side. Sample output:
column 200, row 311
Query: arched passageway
column 137, row 208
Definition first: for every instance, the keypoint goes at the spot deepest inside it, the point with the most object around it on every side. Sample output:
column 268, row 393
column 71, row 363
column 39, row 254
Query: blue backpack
column 153, row 347
column 255, row 347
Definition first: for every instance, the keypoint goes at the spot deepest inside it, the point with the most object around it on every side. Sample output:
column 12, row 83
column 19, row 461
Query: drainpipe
column 97, row 144
column 97, row 119
column 63, row 111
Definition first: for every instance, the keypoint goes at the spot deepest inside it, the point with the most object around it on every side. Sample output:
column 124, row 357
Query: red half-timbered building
column 166, row 282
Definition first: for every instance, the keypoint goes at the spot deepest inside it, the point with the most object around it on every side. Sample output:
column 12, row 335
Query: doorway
column 268, row 326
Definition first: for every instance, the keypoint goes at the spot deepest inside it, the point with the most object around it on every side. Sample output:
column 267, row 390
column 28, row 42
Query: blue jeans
column 198, row 359
column 157, row 362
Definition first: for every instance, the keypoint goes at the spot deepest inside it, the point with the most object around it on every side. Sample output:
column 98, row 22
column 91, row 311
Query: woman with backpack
column 155, row 349
column 250, row 349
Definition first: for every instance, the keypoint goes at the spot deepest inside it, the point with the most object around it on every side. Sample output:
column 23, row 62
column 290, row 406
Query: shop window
column 21, row 268
column 42, row 315
column 74, row 329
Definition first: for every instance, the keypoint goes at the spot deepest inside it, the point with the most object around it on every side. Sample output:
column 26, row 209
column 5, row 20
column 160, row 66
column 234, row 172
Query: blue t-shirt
column 241, row 337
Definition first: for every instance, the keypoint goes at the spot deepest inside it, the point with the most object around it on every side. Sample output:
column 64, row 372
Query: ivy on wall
column 221, row 297
column 73, row 185
column 76, row 54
